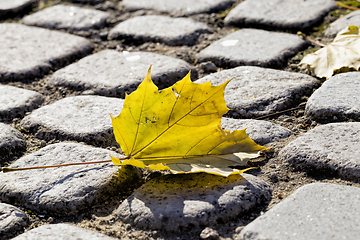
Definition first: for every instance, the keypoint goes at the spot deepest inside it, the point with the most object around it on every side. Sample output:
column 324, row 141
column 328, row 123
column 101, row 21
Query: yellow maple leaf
column 179, row 129
column 341, row 55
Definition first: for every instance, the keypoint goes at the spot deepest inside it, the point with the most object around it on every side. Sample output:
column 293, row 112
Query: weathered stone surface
column 252, row 47
column 112, row 73
column 352, row 18
column 175, row 202
column 171, row 31
column 61, row 231
column 183, row 7
column 80, row 118
column 12, row 219
column 13, row 6
column 15, row 102
column 32, row 52
column 11, row 141
column 262, row 132
column 295, row 14
column 61, row 191
column 331, row 148
column 256, row 91
column 67, row 17
column 337, row 98
column 315, row 211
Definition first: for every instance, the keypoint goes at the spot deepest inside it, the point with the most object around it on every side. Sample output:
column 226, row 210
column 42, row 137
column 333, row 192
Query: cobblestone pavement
column 65, row 65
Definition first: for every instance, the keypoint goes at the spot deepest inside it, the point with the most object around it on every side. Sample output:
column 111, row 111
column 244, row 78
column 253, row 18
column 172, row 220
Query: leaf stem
column 346, row 6
column 9, row 169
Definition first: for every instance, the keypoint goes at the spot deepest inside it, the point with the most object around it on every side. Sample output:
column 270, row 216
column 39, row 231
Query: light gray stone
column 337, row 97
column 15, row 102
column 294, row 14
column 252, row 47
column 67, row 17
column 262, row 132
column 176, row 202
column 112, row 73
column 61, row 191
column 175, row 7
column 13, row 6
column 256, row 91
column 61, row 231
column 171, row 31
column 331, row 148
column 352, row 18
column 79, row 118
column 12, row 219
column 28, row 52
column 11, row 141
column 314, row 211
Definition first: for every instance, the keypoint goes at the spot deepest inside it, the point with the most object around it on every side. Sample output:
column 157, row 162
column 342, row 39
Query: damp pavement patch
column 12, row 219
column 67, row 17
column 11, row 141
column 314, row 211
column 255, row 91
column 61, row 191
column 28, row 52
column 332, row 148
column 252, row 47
column 61, row 231
column 261, row 132
column 15, row 102
column 295, row 14
column 175, row 7
column 113, row 73
column 352, row 18
column 13, row 6
column 171, row 31
column 176, row 202
column 337, row 99
column 80, row 118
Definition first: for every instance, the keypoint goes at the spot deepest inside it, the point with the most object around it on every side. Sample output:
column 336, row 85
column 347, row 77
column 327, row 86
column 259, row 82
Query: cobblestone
column 11, row 141
column 12, row 219
column 171, row 31
column 113, row 73
column 13, row 6
column 306, row 214
column 295, row 14
column 336, row 99
column 80, row 118
column 255, row 91
column 352, row 18
column 252, row 47
column 67, row 17
column 29, row 52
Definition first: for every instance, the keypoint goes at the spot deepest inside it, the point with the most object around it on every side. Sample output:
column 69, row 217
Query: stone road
column 66, row 65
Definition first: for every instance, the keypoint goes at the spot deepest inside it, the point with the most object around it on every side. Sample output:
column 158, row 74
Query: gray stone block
column 61, row 231
column 352, row 18
column 15, row 102
column 61, row 191
column 80, row 118
column 337, row 99
column 176, row 202
column 171, row 31
column 253, row 47
column 13, row 6
column 294, row 14
column 261, row 132
column 67, row 17
column 28, row 52
column 256, row 91
column 12, row 219
column 183, row 7
column 11, row 141
column 113, row 73
column 331, row 148
column 314, row 211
